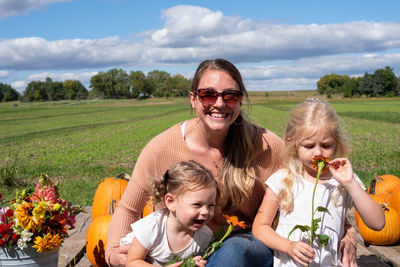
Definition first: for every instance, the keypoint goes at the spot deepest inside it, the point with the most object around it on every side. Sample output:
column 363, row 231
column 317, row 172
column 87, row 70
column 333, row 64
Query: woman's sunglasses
column 209, row 96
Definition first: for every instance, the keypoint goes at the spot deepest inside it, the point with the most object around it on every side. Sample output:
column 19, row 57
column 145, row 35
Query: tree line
column 118, row 84
column 383, row 82
column 113, row 84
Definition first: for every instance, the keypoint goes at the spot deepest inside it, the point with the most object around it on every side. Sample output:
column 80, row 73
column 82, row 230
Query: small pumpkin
column 96, row 240
column 394, row 199
column 383, row 184
column 148, row 208
column 109, row 190
column 390, row 233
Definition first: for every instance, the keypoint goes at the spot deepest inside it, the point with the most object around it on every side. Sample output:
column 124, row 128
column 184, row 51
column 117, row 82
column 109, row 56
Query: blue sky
column 277, row 45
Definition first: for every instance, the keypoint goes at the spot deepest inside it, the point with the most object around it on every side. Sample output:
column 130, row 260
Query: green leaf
column 303, row 228
column 315, row 223
column 323, row 239
column 323, row 209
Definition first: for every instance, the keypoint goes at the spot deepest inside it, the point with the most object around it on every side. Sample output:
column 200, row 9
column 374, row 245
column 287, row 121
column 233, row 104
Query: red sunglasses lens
column 208, row 97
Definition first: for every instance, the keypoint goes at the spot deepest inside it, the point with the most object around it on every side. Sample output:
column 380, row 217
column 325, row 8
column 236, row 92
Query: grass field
column 80, row 143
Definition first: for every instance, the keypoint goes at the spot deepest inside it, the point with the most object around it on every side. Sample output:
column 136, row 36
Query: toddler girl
column 189, row 193
column 313, row 131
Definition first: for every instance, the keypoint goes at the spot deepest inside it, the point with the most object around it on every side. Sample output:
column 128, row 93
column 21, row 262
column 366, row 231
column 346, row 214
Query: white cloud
column 191, row 34
column 4, row 74
column 9, row 8
column 286, row 56
column 19, row 85
column 84, row 77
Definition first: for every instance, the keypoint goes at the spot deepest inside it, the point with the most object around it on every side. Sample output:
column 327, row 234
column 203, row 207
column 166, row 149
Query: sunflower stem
column 321, row 165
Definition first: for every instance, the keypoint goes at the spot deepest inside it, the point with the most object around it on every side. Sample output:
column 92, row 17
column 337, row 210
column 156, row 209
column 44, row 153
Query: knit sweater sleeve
column 158, row 155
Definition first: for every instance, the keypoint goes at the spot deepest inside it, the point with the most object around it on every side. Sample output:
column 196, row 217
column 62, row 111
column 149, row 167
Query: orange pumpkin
column 383, row 184
column 96, row 240
column 394, row 199
column 390, row 233
column 109, row 190
column 149, row 208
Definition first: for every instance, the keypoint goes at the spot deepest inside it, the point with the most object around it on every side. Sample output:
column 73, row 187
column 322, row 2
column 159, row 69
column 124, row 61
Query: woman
column 240, row 155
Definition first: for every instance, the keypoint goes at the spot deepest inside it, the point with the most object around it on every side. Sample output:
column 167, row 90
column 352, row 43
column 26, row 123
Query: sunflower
column 319, row 160
column 25, row 217
column 47, row 243
column 55, row 225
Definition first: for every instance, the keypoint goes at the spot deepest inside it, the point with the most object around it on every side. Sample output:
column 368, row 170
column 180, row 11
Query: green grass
column 80, row 143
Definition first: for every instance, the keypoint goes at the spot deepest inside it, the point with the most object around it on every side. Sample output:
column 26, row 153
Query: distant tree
column 385, row 82
column 159, row 81
column 137, row 82
column 55, row 91
column 367, row 84
column 111, row 84
column 7, row 93
column 36, row 91
column 74, row 89
column 331, row 84
column 98, row 85
column 351, row 86
column 180, row 85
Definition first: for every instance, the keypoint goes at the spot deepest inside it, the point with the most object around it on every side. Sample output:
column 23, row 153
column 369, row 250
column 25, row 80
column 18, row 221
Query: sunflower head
column 320, row 162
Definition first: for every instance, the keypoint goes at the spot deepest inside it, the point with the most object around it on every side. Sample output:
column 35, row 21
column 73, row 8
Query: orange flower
column 234, row 220
column 320, row 160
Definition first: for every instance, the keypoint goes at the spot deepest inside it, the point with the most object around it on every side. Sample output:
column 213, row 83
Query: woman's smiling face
column 218, row 116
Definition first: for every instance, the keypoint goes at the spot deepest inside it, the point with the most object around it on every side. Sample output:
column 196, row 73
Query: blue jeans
column 242, row 250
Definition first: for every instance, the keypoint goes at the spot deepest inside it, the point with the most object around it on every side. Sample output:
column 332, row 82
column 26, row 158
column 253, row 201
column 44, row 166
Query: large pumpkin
column 96, row 240
column 110, row 190
column 390, row 233
column 394, row 199
column 383, row 184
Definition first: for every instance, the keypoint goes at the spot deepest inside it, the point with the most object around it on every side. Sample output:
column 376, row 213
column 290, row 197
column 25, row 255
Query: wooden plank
column 74, row 247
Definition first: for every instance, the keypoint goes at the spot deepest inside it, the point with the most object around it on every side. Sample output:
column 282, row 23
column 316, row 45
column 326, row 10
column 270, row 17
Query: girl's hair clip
column 165, row 178
column 311, row 100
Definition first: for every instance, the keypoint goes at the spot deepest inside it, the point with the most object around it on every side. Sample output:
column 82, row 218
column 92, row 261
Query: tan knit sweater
column 169, row 148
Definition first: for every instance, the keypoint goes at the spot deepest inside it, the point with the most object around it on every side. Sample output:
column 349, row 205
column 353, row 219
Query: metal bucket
column 27, row 257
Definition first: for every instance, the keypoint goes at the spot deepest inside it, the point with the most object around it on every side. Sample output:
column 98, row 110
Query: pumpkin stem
column 111, row 209
column 384, row 206
column 124, row 176
column 372, row 185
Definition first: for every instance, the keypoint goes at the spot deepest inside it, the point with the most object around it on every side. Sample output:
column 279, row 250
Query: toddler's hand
column 341, row 170
column 301, row 252
column 198, row 260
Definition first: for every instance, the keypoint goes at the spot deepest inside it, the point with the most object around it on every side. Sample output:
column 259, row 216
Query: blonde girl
column 189, row 193
column 313, row 131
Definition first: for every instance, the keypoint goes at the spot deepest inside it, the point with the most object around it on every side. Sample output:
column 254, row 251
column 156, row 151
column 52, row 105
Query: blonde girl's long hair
column 235, row 174
column 181, row 177
column 305, row 120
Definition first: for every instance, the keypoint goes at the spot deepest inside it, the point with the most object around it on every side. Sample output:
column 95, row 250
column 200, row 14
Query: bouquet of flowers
column 40, row 218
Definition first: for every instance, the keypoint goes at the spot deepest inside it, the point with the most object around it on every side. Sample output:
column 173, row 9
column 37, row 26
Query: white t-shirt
column 151, row 232
column 331, row 225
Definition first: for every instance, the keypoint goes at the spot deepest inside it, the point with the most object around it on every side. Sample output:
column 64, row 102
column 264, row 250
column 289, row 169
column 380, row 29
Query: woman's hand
column 118, row 256
column 301, row 252
column 348, row 246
